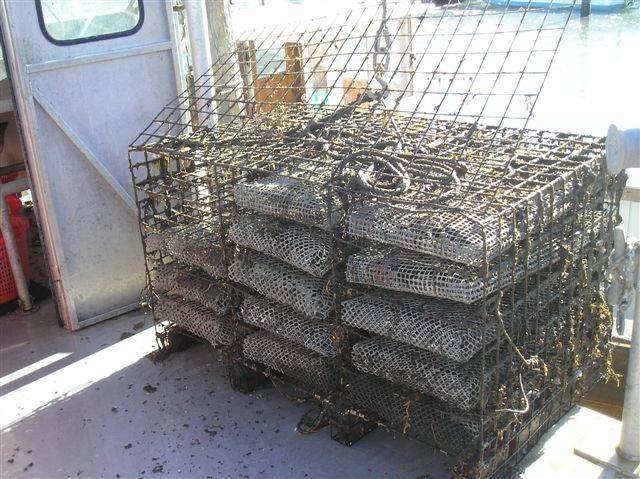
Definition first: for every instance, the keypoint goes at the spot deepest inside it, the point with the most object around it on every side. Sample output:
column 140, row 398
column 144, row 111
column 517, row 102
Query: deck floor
column 90, row 404
column 75, row 405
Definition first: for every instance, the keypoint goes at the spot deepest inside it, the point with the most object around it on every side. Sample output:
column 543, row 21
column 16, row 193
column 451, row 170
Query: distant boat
column 596, row 5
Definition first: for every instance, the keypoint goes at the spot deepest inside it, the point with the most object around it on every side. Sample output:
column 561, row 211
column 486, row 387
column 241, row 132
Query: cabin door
column 88, row 76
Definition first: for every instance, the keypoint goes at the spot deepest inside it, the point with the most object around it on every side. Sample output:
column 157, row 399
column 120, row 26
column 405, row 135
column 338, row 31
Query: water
column 593, row 82
column 595, row 79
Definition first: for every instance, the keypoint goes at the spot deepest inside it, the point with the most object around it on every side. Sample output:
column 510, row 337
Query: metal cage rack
column 356, row 206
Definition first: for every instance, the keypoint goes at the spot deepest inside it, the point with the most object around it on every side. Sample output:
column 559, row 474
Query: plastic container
column 8, row 291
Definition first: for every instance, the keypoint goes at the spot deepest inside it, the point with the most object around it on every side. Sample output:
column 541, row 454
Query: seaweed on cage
column 461, row 384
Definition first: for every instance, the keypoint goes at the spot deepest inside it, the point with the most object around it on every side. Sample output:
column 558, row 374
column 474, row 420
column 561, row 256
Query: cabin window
column 67, row 22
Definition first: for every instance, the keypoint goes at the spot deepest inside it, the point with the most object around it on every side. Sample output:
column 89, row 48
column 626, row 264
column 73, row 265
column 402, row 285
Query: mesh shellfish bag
column 454, row 330
column 195, row 318
column 470, row 236
column 310, row 369
column 194, row 245
column 282, row 283
column 288, row 198
column 300, row 246
column 454, row 383
column 402, row 270
column 421, row 417
column 180, row 281
column 321, row 337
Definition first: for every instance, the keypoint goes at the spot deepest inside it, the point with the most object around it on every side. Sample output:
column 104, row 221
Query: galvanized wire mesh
column 487, row 381
column 195, row 318
column 282, row 283
column 180, row 281
column 297, row 245
column 321, row 337
column 294, row 361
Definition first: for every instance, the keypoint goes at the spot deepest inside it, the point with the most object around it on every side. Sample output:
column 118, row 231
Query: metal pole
column 585, row 8
column 223, row 50
column 10, row 242
column 623, row 151
column 196, row 15
column 629, row 447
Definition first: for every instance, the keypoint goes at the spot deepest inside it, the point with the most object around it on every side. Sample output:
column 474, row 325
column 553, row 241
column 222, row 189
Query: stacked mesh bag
column 283, row 262
column 468, row 311
column 186, row 284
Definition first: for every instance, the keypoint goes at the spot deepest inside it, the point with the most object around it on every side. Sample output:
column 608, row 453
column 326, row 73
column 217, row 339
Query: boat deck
column 90, row 404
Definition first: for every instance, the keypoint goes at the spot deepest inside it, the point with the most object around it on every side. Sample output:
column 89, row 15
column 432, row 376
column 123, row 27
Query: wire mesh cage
column 372, row 176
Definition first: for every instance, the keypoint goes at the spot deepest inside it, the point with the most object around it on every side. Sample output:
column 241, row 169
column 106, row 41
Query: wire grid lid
column 305, row 248
column 288, row 198
column 393, row 94
column 422, row 417
column 195, row 318
column 321, row 337
column 195, row 244
column 310, row 369
column 454, row 330
column 180, row 281
column 408, row 271
column 456, row 384
column 282, row 283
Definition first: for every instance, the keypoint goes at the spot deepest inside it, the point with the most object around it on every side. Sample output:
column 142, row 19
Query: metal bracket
column 86, row 151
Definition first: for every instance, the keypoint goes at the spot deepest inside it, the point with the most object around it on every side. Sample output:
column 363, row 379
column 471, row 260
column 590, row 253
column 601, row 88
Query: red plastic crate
column 8, row 291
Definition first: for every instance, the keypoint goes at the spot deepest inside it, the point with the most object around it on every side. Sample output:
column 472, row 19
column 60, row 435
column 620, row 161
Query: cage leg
column 312, row 421
column 245, row 380
column 174, row 340
column 347, row 430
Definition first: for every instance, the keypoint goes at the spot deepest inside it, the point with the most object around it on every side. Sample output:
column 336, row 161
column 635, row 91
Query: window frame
column 93, row 38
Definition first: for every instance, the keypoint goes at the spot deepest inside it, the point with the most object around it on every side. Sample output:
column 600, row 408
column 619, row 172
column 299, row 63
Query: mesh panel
column 176, row 279
column 292, row 360
column 454, row 383
column 424, row 418
column 412, row 272
column 302, row 247
column 287, row 198
column 194, row 245
column 196, row 319
column 323, row 338
column 447, row 328
column 282, row 283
